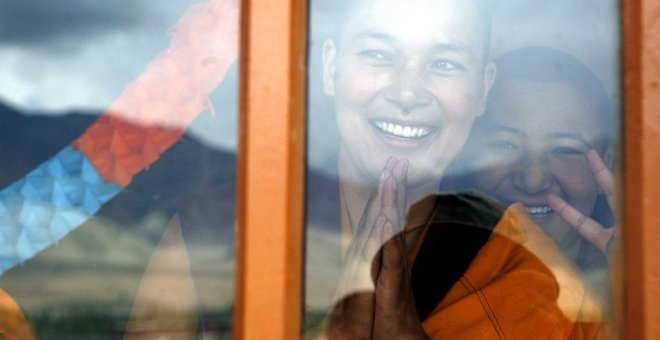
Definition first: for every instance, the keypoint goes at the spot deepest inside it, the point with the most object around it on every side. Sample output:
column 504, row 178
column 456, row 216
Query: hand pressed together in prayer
column 587, row 227
column 374, row 299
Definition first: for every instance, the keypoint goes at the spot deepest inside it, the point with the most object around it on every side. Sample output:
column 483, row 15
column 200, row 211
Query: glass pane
column 119, row 150
column 462, row 168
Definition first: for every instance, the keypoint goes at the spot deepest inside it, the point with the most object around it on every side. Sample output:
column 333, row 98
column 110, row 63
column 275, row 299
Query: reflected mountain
column 191, row 178
column 98, row 267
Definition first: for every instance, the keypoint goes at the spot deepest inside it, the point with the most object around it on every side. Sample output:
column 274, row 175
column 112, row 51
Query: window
column 118, row 205
column 269, row 282
column 379, row 90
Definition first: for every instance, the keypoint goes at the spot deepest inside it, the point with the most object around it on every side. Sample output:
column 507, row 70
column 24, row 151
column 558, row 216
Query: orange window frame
column 641, row 180
column 271, row 165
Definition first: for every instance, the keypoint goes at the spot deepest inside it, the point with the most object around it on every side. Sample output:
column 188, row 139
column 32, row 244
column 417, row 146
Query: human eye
column 568, row 148
column 504, row 145
column 376, row 57
column 567, row 151
column 445, row 66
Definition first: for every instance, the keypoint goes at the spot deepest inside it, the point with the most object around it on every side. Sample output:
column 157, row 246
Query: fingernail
column 390, row 162
column 383, row 175
column 592, row 154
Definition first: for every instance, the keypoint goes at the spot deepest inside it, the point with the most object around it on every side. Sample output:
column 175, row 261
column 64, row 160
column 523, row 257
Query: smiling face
column 408, row 78
column 534, row 142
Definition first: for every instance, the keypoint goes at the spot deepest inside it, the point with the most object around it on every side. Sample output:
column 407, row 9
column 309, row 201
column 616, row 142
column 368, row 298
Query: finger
column 370, row 258
column 591, row 230
column 360, row 271
column 373, row 206
column 400, row 173
column 389, row 205
column 603, row 175
column 370, row 215
column 365, row 245
column 395, row 315
column 391, row 277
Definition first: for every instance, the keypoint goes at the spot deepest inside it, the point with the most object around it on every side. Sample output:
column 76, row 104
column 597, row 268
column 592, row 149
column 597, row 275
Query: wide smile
column 535, row 210
column 538, row 212
column 402, row 131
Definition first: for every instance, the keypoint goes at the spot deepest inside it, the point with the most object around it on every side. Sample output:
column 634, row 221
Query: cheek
column 491, row 164
column 463, row 94
column 577, row 181
column 488, row 179
column 359, row 86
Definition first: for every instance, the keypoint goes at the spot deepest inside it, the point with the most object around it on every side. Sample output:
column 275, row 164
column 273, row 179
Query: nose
column 408, row 91
column 532, row 176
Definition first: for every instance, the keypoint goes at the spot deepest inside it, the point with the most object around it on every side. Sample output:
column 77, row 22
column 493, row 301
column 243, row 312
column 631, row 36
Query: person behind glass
column 408, row 79
column 548, row 122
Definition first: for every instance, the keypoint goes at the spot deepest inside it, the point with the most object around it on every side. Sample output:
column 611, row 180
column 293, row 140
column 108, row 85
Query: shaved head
column 349, row 10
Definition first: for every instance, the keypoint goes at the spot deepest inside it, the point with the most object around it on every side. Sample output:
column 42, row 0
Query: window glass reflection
column 545, row 142
column 118, row 180
column 462, row 165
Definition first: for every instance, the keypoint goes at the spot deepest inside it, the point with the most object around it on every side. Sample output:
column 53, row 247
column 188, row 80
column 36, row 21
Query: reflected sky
column 79, row 55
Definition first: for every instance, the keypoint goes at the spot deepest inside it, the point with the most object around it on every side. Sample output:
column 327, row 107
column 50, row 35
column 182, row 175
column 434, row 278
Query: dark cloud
column 47, row 22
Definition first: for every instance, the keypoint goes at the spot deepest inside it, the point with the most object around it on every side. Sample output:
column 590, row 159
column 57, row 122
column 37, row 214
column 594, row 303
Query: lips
column 539, row 212
column 536, row 211
column 404, row 131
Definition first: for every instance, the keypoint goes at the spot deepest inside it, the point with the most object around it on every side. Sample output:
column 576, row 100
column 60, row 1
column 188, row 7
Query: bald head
column 348, row 11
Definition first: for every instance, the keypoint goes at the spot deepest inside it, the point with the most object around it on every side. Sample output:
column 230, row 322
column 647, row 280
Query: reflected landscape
column 462, row 157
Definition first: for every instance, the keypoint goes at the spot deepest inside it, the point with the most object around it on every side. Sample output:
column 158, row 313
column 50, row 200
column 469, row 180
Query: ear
column 329, row 62
column 490, row 71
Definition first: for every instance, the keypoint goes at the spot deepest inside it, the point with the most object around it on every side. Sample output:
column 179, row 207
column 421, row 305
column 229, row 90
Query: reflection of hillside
column 188, row 167
column 190, row 175
column 98, row 267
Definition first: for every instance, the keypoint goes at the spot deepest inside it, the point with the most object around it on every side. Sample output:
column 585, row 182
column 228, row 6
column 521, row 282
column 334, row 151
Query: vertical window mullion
column 641, row 283
column 270, row 170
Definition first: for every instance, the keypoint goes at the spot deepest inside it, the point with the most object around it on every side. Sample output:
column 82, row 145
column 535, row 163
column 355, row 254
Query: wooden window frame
column 271, row 168
column 641, row 170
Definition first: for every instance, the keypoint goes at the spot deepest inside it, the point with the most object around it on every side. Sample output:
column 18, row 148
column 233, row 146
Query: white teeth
column 539, row 210
column 402, row 131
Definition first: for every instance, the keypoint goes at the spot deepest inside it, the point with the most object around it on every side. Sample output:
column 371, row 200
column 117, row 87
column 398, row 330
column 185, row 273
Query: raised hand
column 591, row 230
column 374, row 294
column 395, row 315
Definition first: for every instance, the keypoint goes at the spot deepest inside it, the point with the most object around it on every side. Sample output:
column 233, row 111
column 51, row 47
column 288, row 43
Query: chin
column 559, row 232
column 425, row 179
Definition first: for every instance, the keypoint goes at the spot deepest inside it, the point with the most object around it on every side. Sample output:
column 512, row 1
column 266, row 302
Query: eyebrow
column 454, row 47
column 506, row 129
column 375, row 35
column 440, row 47
column 575, row 136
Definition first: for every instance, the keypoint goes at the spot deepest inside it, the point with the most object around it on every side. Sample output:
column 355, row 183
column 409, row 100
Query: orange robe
column 12, row 322
column 516, row 283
